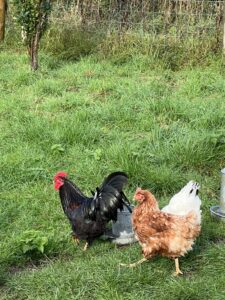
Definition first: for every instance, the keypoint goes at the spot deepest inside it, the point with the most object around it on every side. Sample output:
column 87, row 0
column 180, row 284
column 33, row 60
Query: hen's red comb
column 60, row 174
column 138, row 190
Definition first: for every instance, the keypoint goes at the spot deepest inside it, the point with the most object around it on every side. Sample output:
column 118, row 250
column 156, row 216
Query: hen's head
column 139, row 195
column 59, row 179
column 145, row 196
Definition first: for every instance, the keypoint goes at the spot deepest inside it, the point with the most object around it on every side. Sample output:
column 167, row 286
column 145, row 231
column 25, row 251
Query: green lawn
column 90, row 118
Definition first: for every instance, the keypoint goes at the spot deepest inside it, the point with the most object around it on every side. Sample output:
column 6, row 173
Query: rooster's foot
column 85, row 246
column 75, row 239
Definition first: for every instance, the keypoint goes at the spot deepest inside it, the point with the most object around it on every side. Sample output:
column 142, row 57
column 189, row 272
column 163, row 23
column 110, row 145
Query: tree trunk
column 34, row 45
column 33, row 51
column 2, row 19
column 34, row 62
column 34, row 57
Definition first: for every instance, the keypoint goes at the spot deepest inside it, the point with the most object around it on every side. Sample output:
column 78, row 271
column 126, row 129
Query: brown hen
column 161, row 233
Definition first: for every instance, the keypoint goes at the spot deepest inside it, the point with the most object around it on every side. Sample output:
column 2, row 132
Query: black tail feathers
column 109, row 197
column 117, row 180
column 126, row 202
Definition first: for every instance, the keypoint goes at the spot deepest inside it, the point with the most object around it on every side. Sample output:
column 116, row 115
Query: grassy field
column 90, row 118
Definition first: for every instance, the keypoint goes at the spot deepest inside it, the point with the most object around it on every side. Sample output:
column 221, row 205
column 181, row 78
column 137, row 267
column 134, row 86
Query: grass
column 90, row 118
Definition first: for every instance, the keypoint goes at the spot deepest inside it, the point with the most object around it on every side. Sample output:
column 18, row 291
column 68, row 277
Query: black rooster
column 90, row 215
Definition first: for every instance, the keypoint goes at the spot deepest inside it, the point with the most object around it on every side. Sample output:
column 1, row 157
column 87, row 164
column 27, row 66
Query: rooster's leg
column 178, row 271
column 85, row 246
column 134, row 264
column 75, row 239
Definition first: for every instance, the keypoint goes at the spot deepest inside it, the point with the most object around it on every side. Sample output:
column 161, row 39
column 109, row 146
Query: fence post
column 2, row 19
column 224, row 27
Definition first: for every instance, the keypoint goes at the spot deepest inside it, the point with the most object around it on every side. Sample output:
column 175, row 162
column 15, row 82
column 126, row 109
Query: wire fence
column 172, row 23
column 168, row 19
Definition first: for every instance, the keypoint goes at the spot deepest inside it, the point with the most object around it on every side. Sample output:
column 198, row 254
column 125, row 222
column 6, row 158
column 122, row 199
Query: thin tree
column 2, row 19
column 32, row 15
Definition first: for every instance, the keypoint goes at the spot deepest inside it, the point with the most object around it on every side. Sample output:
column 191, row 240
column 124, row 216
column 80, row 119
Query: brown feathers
column 161, row 233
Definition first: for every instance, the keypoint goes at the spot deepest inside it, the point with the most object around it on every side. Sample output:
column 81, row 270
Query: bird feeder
column 122, row 231
column 218, row 211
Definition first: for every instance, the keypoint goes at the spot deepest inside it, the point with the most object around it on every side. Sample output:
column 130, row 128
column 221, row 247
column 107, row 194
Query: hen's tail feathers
column 194, row 225
column 185, row 201
column 109, row 197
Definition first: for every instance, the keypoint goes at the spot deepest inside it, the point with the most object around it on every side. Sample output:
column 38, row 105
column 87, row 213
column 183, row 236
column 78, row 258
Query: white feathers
column 185, row 201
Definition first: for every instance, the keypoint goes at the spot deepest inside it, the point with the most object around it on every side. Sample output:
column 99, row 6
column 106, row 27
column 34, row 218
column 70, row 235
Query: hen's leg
column 178, row 271
column 134, row 264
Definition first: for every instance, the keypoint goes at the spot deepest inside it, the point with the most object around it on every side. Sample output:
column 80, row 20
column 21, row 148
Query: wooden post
column 2, row 19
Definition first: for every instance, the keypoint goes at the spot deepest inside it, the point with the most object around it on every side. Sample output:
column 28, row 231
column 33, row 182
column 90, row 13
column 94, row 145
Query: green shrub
column 69, row 42
column 169, row 52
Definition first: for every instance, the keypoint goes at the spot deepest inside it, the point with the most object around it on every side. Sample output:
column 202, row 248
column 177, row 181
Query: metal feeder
column 218, row 211
column 122, row 231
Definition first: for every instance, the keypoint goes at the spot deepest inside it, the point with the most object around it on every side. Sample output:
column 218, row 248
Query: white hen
column 185, row 201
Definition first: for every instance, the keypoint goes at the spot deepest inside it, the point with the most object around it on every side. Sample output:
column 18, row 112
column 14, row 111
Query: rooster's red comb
column 60, row 174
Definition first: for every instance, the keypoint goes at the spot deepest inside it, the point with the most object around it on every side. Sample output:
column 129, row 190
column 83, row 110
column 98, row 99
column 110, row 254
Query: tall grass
column 172, row 34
